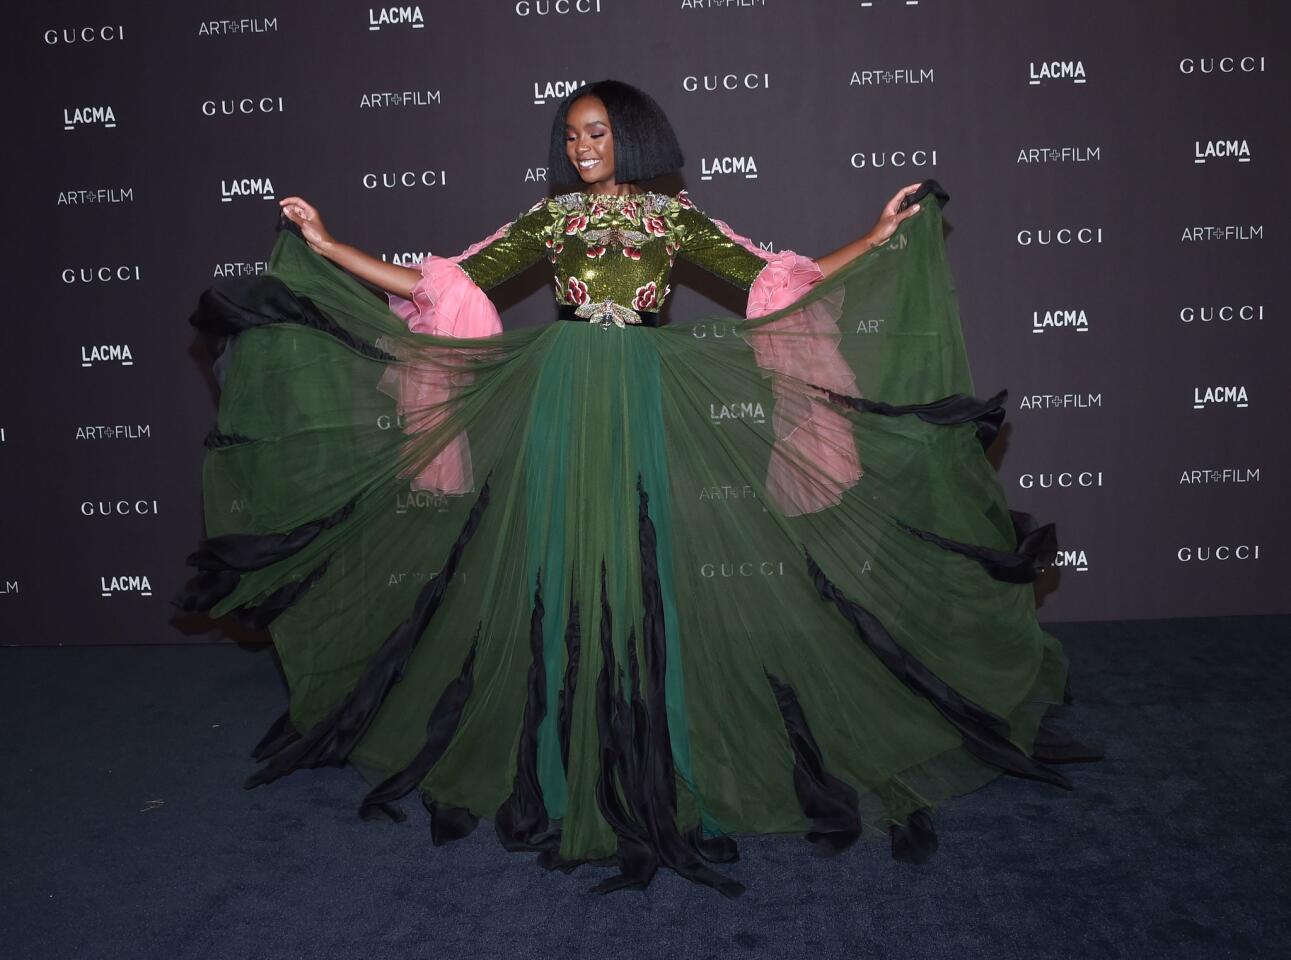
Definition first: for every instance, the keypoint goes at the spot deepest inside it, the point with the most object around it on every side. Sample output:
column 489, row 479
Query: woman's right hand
column 305, row 216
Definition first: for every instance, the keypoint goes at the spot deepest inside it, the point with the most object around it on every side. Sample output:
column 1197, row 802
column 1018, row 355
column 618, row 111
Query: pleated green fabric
column 568, row 426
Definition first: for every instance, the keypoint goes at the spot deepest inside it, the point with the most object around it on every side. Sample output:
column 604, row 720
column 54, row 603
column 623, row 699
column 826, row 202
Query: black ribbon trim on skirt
column 1036, row 549
column 215, row 440
column 916, row 840
column 521, row 822
column 831, row 805
column 222, row 560
column 244, row 303
column 440, row 730
column 1055, row 745
column 329, row 742
column 637, row 788
column 985, row 735
column 281, row 733
column 573, row 651
column 988, row 415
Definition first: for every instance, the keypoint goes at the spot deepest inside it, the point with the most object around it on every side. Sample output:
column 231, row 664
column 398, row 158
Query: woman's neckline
column 616, row 197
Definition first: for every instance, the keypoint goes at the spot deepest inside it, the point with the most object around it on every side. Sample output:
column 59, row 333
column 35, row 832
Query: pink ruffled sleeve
column 814, row 458
column 444, row 303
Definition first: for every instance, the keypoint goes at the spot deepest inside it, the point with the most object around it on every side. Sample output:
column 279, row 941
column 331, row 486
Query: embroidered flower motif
column 684, row 201
column 631, row 210
column 654, row 225
column 645, row 297
column 595, row 251
column 671, row 247
column 576, row 291
column 667, row 289
column 538, row 206
column 598, row 209
column 575, row 223
column 632, row 253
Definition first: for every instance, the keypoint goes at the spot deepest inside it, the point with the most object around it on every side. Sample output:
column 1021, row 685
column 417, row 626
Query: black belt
column 565, row 311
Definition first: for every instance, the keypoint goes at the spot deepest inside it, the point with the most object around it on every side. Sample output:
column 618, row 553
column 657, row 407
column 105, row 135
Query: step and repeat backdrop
column 1117, row 232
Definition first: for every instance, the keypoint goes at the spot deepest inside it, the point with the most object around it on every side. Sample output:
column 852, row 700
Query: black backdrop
column 1117, row 232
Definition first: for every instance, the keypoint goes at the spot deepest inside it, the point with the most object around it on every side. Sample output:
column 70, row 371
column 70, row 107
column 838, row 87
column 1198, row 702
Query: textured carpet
column 125, row 832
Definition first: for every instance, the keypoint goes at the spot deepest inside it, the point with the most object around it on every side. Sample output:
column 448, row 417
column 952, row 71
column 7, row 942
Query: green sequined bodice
column 618, row 248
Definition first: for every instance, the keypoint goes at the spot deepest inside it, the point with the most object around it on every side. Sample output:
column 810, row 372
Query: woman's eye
column 597, row 136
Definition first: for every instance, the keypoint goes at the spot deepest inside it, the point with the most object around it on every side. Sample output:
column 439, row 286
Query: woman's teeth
column 587, row 164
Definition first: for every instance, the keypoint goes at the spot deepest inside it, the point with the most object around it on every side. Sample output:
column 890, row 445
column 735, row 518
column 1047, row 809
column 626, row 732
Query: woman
column 629, row 592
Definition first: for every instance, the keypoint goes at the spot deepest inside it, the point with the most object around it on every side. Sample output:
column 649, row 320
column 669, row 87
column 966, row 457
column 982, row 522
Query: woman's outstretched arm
column 390, row 277
column 887, row 224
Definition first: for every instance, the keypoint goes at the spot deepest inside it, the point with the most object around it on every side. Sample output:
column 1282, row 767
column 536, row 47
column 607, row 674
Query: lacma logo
column 231, row 190
column 751, row 411
column 74, row 117
column 1059, row 320
column 125, row 584
column 1071, row 560
column 107, row 353
column 1072, row 70
column 710, row 167
column 1203, row 397
column 1204, row 150
column 379, row 17
column 554, row 89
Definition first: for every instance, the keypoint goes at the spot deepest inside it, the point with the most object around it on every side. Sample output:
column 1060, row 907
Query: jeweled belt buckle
column 607, row 313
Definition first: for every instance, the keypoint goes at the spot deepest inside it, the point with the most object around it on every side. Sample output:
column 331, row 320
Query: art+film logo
column 96, row 195
column 230, row 28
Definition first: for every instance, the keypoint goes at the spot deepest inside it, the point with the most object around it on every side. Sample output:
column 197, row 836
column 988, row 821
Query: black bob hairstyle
column 645, row 146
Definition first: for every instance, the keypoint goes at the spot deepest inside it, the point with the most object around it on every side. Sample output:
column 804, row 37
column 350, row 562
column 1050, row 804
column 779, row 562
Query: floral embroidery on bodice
column 618, row 247
column 620, row 238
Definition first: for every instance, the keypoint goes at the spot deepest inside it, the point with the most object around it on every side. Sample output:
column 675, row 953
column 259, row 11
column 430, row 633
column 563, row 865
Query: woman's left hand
column 892, row 217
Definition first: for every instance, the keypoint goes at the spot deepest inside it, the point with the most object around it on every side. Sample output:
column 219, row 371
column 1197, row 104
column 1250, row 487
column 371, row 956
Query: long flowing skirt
column 632, row 592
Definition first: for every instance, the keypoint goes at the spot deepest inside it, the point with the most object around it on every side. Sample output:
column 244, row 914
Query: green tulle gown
column 630, row 591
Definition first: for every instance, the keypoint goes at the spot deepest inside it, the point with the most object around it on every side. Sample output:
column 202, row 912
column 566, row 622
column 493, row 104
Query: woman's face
column 589, row 141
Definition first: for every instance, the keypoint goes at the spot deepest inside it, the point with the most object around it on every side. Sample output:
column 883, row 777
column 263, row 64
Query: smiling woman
column 631, row 589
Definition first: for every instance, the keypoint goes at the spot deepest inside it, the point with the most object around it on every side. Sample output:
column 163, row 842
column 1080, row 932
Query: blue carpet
column 125, row 832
